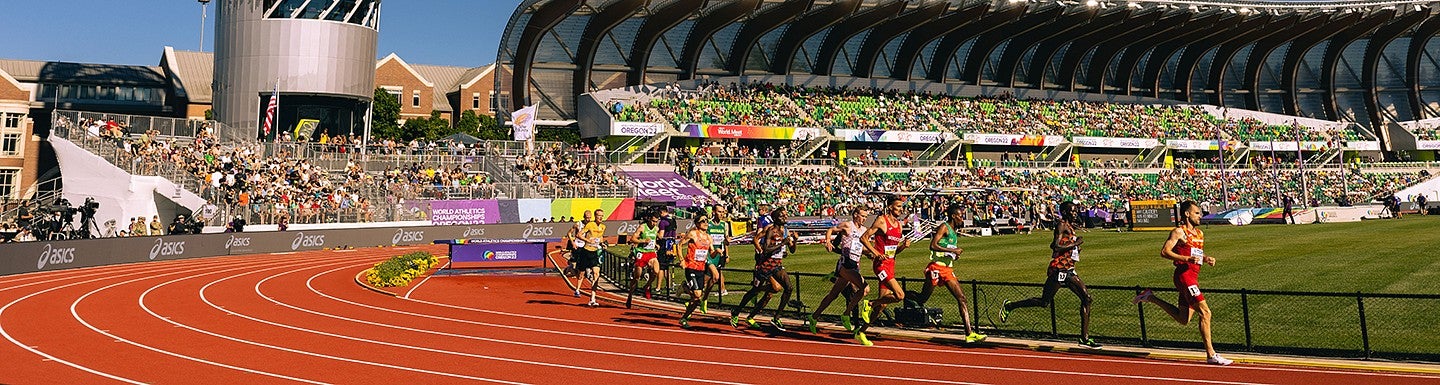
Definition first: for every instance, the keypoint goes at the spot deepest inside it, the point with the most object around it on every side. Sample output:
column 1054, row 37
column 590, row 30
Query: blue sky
column 443, row 32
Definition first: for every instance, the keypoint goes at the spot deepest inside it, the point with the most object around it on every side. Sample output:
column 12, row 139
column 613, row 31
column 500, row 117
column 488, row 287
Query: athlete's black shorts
column 694, row 279
column 665, row 255
column 584, row 259
column 766, row 269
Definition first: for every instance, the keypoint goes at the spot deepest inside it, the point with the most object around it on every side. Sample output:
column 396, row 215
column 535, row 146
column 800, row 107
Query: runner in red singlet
column 696, row 249
column 883, row 241
column 1186, row 250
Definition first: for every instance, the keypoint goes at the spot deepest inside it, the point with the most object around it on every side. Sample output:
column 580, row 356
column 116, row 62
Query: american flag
column 270, row 110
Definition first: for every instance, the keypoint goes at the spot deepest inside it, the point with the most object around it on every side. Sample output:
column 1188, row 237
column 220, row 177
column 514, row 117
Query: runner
column 719, row 231
column 644, row 240
column 1186, row 250
column 695, row 244
column 944, row 250
column 847, row 270
column 1065, row 251
column 773, row 244
column 587, row 251
column 666, row 251
column 884, row 240
column 572, row 242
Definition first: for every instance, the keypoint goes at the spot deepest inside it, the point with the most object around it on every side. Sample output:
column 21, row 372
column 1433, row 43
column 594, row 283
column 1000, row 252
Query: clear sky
column 443, row 32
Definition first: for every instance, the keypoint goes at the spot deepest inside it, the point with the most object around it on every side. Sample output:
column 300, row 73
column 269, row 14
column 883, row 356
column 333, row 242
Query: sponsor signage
column 504, row 254
column 665, row 186
column 1371, row 145
column 1287, row 146
column 726, row 131
column 1015, row 140
column 883, row 136
column 636, row 129
column 465, row 212
column 1095, row 141
column 1426, row 145
column 1204, row 145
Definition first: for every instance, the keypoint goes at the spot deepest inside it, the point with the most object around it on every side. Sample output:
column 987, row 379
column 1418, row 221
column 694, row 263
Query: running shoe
column 1005, row 311
column 865, row 310
column 975, row 337
column 860, row 336
column 735, row 321
column 577, row 293
column 845, row 321
column 704, row 307
column 1089, row 343
column 594, row 304
column 1218, row 360
column 1143, row 296
column 751, row 322
column 685, row 323
column 810, row 322
column 775, row 323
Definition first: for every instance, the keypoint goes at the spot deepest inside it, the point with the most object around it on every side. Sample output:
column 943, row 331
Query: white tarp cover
column 121, row 196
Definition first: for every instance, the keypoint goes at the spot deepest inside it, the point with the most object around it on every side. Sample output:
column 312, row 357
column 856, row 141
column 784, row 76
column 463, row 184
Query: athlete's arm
column 635, row 238
column 772, row 247
column 1064, row 238
column 1168, row 251
column 935, row 240
column 830, row 236
column 869, row 240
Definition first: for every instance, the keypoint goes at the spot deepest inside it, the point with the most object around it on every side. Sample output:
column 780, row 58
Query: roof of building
column 445, row 79
column 195, row 73
column 38, row 71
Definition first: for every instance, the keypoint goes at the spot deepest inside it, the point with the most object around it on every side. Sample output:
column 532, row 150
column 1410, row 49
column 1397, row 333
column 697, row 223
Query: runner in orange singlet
column 696, row 244
column 1186, row 250
column 1065, row 251
column 883, row 241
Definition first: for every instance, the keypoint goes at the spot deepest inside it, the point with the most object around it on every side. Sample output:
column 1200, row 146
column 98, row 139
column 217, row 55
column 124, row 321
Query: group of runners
column 703, row 252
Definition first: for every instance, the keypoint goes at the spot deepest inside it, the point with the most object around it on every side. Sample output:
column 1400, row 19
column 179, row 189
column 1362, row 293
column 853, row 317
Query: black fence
column 1350, row 325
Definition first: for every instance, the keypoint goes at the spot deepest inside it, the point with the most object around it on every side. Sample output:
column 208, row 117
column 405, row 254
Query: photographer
column 178, row 226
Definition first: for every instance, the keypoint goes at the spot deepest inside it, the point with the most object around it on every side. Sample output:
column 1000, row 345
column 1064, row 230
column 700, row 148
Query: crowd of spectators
column 556, row 167
column 765, row 104
column 1428, row 132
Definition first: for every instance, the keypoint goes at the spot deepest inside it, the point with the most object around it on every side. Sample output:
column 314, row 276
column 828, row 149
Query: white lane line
column 47, row 356
column 417, row 286
column 76, row 304
column 742, row 350
column 432, row 350
column 297, row 351
column 1197, row 366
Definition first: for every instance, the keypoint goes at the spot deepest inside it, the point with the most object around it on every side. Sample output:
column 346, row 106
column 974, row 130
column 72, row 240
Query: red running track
column 301, row 318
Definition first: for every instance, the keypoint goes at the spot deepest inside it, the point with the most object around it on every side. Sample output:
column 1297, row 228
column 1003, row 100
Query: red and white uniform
column 1187, row 273
column 888, row 242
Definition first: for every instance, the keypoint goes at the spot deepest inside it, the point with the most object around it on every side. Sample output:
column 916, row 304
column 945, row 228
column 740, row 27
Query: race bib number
column 1075, row 254
column 779, row 254
column 701, row 254
column 1193, row 290
column 934, row 274
column 717, row 239
column 579, row 243
column 891, row 250
column 1061, row 276
column 651, row 244
column 883, row 275
column 1198, row 254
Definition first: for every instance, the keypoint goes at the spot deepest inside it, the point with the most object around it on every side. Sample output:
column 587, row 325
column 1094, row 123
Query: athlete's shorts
column 884, row 269
column 716, row 259
column 938, row 274
column 1061, row 276
column 846, row 264
column 584, row 259
column 1187, row 282
column 694, row 279
column 667, row 253
column 645, row 257
column 766, row 269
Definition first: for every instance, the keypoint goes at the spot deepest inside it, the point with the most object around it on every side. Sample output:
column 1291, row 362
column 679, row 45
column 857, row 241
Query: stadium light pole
column 204, row 4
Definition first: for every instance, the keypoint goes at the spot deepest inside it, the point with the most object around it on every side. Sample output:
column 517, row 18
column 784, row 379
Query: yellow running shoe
column 860, row 336
column 974, row 337
column 865, row 310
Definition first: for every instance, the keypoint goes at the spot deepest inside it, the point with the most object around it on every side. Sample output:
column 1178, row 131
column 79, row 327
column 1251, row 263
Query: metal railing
column 1356, row 325
column 138, row 124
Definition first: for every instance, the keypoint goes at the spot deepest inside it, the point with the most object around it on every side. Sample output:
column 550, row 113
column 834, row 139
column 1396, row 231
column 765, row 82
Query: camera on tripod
column 88, row 209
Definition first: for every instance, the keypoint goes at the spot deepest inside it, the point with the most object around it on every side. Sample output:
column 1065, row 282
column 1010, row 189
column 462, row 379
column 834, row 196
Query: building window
column 415, row 99
column 10, row 144
column 494, row 103
column 9, row 177
column 12, row 121
column 475, row 101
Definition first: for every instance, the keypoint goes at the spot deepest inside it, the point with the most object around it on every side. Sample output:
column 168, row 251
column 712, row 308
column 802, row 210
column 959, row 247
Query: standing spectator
column 137, row 227
column 238, row 224
column 1289, row 213
column 1422, row 202
column 284, row 223
column 155, row 225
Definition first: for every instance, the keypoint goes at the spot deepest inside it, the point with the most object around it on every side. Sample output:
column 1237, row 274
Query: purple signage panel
column 499, row 253
column 666, row 187
column 465, row 212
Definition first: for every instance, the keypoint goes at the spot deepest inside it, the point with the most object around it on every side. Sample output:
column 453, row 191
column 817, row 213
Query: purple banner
column 465, row 212
column 497, row 253
column 666, row 187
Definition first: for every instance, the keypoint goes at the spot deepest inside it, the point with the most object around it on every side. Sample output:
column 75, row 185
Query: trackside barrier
column 18, row 258
column 1351, row 325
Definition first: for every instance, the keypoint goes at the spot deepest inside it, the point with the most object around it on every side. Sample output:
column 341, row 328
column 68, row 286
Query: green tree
column 385, row 116
column 568, row 135
column 209, row 114
column 469, row 123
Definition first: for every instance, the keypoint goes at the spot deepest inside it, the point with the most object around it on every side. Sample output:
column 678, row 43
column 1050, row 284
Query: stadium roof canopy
column 1362, row 61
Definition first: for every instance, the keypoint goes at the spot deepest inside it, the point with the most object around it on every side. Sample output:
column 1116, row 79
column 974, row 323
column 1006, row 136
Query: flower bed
column 401, row 269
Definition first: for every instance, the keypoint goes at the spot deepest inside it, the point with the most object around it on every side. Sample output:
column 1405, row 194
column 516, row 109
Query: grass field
column 1384, row 256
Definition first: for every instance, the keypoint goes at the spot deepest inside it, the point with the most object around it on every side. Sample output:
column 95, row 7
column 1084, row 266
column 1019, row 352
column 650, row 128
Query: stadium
column 299, row 206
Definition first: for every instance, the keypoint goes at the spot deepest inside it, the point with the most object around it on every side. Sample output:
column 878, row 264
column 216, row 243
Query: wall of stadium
column 303, row 56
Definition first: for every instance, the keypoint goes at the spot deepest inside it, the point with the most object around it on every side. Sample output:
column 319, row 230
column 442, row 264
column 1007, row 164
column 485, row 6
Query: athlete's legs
column 769, row 291
column 1078, row 287
column 1204, row 309
column 594, row 282
column 890, row 292
column 784, row 279
column 755, row 288
column 954, row 286
column 1048, row 294
column 656, row 277
column 1181, row 315
column 924, row 294
column 861, row 289
column 829, row 297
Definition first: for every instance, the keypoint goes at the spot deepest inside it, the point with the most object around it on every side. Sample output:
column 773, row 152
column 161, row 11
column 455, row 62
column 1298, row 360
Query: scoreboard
column 1156, row 215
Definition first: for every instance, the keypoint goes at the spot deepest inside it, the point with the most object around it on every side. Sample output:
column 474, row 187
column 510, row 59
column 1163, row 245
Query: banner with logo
column 465, row 212
column 1368, row 145
column 884, row 136
column 636, row 128
column 1193, row 145
column 726, row 131
column 1105, row 142
column 1287, row 146
column 497, row 254
column 665, row 186
column 1427, row 145
column 523, row 122
column 1015, row 140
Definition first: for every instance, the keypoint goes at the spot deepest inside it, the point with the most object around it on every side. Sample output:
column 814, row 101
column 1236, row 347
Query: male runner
column 1186, row 250
column 884, row 240
column 719, row 230
column 587, row 252
column 944, row 250
column 573, row 242
column 695, row 245
column 1065, row 251
column 773, row 244
column 847, row 270
column 644, row 240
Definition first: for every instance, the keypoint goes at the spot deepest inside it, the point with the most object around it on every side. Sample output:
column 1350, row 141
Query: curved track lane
column 301, row 318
